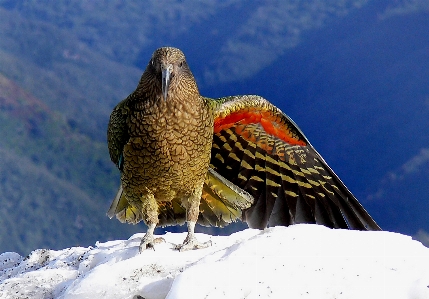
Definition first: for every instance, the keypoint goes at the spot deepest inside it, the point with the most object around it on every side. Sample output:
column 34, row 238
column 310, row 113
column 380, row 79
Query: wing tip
column 113, row 210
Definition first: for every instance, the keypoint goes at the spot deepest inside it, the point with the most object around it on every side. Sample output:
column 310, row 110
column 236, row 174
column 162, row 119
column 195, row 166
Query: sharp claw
column 193, row 244
column 149, row 243
column 146, row 245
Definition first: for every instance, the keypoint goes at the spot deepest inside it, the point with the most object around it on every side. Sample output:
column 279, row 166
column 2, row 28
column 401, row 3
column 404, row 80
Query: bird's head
column 169, row 71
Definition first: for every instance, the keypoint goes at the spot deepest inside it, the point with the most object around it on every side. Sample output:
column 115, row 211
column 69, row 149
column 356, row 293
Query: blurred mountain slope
column 55, row 184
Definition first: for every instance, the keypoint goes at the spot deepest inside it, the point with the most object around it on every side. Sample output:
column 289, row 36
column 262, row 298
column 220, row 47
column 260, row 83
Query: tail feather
column 115, row 207
column 123, row 211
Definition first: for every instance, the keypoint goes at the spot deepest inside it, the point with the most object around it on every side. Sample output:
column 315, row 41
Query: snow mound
column 300, row 261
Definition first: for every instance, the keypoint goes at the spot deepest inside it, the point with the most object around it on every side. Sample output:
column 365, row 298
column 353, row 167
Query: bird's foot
column 191, row 243
column 149, row 242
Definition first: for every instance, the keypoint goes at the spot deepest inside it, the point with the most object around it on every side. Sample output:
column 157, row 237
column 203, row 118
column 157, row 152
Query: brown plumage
column 184, row 157
column 161, row 137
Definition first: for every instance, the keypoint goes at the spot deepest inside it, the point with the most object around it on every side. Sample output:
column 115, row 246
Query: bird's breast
column 169, row 142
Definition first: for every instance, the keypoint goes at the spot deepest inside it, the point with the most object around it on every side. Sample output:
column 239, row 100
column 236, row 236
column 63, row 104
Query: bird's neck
column 181, row 105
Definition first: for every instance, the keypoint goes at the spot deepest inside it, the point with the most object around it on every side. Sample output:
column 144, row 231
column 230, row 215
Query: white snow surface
column 300, row 261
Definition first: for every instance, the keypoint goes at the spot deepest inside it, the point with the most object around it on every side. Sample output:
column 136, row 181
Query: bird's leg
column 147, row 240
column 150, row 211
column 192, row 211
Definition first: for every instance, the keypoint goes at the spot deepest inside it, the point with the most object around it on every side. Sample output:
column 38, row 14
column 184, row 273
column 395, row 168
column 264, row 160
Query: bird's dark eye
column 182, row 64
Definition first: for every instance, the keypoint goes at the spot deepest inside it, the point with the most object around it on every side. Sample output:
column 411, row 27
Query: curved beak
column 166, row 76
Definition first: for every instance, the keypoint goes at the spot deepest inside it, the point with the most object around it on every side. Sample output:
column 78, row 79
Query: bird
column 187, row 158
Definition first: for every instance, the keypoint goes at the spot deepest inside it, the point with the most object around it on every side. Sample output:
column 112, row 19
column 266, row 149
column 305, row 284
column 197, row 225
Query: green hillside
column 51, row 177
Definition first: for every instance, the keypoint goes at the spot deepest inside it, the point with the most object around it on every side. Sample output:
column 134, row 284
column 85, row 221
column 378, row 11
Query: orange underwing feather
column 253, row 116
column 261, row 150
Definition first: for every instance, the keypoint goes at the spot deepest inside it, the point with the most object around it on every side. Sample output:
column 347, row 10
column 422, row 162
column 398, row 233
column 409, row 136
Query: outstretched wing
column 261, row 150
